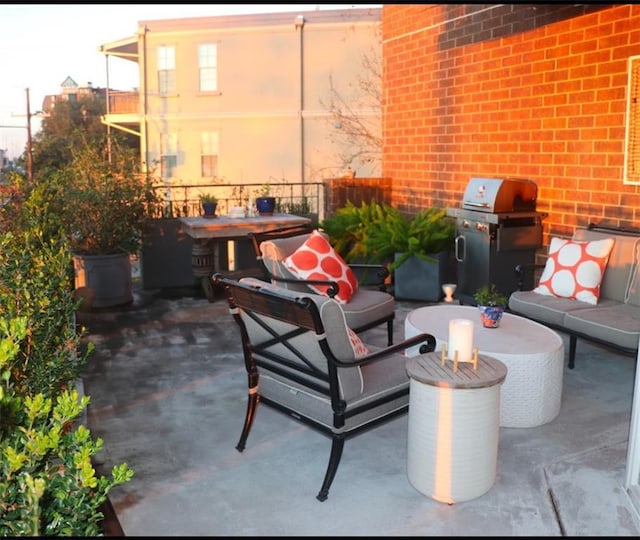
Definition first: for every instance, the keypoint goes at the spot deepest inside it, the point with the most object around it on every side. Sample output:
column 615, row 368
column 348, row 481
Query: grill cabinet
column 497, row 228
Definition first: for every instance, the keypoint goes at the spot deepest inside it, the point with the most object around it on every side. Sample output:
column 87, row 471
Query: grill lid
column 500, row 195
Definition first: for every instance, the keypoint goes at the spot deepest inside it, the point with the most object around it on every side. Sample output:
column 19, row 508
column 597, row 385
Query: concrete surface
column 168, row 395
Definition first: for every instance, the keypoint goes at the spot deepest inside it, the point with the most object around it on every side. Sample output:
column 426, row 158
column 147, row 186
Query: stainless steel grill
column 497, row 228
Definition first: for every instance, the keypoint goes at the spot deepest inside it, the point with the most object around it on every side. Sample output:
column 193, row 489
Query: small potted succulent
column 491, row 303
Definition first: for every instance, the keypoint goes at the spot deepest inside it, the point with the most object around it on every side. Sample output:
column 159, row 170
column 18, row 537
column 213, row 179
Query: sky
column 43, row 44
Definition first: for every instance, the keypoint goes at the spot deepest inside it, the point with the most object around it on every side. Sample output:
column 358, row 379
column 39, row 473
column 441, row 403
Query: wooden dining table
column 209, row 233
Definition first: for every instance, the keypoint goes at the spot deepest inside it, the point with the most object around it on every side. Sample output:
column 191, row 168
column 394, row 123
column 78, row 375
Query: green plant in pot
column 104, row 209
column 265, row 202
column 420, row 248
column 350, row 226
column 209, row 204
column 491, row 303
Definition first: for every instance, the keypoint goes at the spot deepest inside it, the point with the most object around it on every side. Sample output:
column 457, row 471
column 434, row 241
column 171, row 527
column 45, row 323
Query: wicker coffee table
column 531, row 394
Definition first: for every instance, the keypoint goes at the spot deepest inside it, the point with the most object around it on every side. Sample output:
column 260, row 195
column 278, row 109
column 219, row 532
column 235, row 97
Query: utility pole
column 29, row 142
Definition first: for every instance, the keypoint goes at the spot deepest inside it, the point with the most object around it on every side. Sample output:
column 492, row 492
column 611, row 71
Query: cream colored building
column 239, row 99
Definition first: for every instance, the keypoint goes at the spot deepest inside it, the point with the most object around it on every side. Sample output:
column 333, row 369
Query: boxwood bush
column 48, row 485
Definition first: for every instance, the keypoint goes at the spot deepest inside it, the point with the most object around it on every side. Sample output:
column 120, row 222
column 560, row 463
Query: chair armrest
column 396, row 347
column 523, row 270
column 331, row 291
column 380, row 272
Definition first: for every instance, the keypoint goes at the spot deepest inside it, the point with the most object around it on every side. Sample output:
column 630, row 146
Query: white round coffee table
column 531, row 394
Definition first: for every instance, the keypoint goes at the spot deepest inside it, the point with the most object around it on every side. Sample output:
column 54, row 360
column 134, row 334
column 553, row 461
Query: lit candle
column 461, row 339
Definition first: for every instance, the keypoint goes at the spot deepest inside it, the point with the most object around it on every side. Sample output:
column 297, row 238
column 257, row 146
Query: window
column 166, row 69
column 208, row 64
column 209, row 142
column 168, row 155
column 632, row 137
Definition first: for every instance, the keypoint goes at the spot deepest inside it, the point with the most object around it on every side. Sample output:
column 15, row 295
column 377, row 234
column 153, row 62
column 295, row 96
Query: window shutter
column 632, row 138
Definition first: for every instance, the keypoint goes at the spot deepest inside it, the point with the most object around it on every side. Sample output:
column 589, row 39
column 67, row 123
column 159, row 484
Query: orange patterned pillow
column 359, row 348
column 316, row 259
column 574, row 269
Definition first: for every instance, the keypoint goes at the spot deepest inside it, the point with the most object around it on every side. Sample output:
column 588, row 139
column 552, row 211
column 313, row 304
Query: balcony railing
column 291, row 198
column 124, row 102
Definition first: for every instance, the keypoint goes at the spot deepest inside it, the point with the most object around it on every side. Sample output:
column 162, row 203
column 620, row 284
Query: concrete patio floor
column 168, row 395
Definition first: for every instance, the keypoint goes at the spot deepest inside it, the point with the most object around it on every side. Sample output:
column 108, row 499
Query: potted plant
column 103, row 209
column 348, row 228
column 420, row 247
column 491, row 303
column 265, row 203
column 209, row 204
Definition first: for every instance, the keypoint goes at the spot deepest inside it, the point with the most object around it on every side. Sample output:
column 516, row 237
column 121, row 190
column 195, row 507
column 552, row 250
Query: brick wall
column 515, row 90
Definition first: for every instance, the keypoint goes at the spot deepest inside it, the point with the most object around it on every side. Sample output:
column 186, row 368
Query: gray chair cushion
column 380, row 379
column 365, row 306
column 351, row 381
column 358, row 385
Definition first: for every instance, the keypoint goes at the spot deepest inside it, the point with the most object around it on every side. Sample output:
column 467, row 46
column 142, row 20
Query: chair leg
column 389, row 333
column 572, row 351
column 252, row 404
column 334, row 460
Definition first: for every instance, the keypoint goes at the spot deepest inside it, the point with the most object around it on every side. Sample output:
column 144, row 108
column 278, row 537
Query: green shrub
column 103, row 208
column 349, row 227
column 48, row 486
column 376, row 232
column 36, row 283
column 429, row 232
column 47, row 482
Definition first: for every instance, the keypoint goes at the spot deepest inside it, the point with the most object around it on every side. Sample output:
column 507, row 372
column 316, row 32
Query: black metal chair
column 302, row 360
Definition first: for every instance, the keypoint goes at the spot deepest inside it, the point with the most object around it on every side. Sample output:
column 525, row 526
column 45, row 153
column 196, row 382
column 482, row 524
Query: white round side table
column 454, row 417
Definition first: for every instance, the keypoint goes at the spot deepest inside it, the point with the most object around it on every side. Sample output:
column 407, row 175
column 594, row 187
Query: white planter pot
column 103, row 280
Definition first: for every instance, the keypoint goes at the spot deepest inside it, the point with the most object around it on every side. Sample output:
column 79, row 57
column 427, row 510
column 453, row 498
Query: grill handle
column 459, row 241
column 476, row 204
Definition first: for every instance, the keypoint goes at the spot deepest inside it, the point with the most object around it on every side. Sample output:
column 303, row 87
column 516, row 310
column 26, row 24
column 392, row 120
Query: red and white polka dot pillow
column 574, row 269
column 316, row 259
column 359, row 348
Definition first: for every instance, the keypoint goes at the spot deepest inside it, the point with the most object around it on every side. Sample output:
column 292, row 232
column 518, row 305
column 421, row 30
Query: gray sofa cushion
column 633, row 293
column 615, row 282
column 610, row 322
column 366, row 305
column 546, row 309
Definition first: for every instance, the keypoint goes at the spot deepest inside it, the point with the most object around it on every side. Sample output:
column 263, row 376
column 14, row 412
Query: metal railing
column 183, row 200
